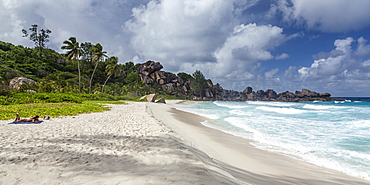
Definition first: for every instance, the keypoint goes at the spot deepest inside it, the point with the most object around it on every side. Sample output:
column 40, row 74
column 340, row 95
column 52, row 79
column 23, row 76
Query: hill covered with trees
column 84, row 68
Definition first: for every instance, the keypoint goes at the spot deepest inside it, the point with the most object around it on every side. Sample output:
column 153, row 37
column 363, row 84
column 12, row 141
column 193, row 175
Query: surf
column 328, row 134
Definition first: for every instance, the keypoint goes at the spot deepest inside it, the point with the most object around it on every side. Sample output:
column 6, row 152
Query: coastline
column 144, row 143
column 125, row 145
column 240, row 160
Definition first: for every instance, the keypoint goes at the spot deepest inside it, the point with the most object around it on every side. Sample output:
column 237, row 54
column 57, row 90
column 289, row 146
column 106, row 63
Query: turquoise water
column 335, row 135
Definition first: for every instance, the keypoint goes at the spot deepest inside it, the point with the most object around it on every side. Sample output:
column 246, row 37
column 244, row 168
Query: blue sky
column 285, row 45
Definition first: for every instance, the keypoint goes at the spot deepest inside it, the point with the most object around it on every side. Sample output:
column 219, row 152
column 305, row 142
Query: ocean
column 333, row 134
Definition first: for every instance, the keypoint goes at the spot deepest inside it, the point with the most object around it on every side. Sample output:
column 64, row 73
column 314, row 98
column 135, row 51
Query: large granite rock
column 18, row 82
column 161, row 100
column 213, row 93
column 151, row 97
column 248, row 90
column 150, row 74
column 149, row 67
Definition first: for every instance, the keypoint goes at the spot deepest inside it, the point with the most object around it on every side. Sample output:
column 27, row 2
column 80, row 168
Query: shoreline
column 125, row 145
column 144, row 143
column 242, row 161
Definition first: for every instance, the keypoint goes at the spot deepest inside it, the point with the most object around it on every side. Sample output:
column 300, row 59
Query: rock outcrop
column 31, row 91
column 151, row 74
column 161, row 100
column 151, row 97
column 18, row 82
column 215, row 93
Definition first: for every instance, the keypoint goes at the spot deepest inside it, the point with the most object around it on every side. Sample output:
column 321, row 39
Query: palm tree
column 98, row 55
column 112, row 69
column 73, row 53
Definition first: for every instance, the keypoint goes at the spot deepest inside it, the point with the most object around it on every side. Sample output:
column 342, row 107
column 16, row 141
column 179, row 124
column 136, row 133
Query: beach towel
column 25, row 122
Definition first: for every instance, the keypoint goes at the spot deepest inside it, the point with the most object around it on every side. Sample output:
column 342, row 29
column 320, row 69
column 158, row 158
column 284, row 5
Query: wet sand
column 243, row 161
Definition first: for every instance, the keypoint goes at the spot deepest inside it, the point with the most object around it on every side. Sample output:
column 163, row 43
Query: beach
column 144, row 143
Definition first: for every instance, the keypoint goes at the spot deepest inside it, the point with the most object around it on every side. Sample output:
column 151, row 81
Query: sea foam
column 329, row 134
column 281, row 110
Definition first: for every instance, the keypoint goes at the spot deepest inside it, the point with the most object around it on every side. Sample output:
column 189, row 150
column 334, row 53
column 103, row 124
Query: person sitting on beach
column 17, row 117
column 33, row 119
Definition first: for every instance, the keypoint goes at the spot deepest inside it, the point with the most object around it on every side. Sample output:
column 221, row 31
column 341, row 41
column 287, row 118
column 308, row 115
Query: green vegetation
column 199, row 82
column 98, row 56
column 73, row 54
column 25, row 98
column 69, row 80
column 50, row 109
column 38, row 37
column 112, row 69
column 59, row 73
column 54, row 104
column 185, row 76
column 71, row 72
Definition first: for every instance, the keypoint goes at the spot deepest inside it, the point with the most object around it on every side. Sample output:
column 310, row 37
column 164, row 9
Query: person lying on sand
column 33, row 119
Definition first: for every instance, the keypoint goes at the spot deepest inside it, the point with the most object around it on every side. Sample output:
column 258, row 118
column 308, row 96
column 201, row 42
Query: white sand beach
column 143, row 143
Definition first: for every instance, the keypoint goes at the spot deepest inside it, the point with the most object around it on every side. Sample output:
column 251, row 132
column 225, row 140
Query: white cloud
column 282, row 56
column 177, row 31
column 238, row 59
column 331, row 65
column 366, row 63
column 247, row 45
column 271, row 73
column 61, row 17
column 363, row 50
column 11, row 27
column 325, row 15
column 203, row 35
column 340, row 70
column 87, row 20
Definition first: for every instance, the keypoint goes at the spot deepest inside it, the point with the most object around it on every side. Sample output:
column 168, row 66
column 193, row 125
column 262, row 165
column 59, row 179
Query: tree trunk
column 102, row 89
column 92, row 76
column 79, row 77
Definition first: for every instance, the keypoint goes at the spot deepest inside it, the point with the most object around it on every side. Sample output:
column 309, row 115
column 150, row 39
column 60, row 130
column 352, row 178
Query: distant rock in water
column 215, row 93
column 150, row 74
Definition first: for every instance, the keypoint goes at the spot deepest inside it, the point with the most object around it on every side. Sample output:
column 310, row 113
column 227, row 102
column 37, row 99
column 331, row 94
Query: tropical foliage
column 83, row 68
column 38, row 37
column 199, row 81
column 76, row 81
column 73, row 71
column 25, row 98
column 98, row 56
column 112, row 69
column 51, row 109
column 73, row 54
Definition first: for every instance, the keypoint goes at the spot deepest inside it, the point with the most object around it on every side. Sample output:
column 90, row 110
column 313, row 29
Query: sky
column 285, row 45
